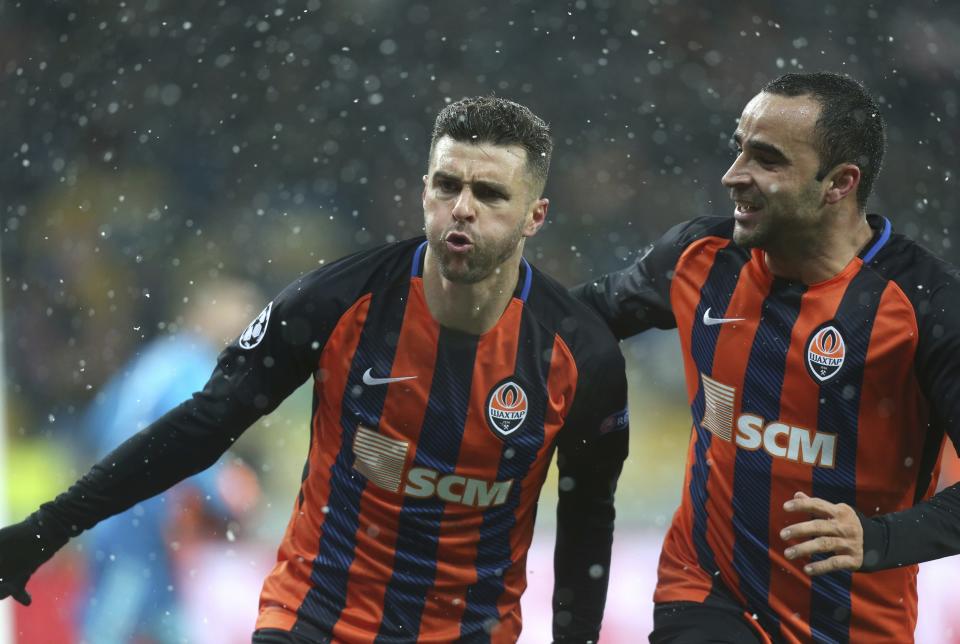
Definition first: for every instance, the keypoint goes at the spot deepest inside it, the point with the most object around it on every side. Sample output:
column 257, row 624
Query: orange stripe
column 678, row 574
column 401, row 419
column 478, row 458
column 893, row 430
column 561, row 389
column 289, row 582
column 693, row 269
column 679, row 577
column 762, row 634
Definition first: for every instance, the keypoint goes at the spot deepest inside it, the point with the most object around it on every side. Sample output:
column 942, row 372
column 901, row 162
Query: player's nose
column 736, row 174
column 465, row 207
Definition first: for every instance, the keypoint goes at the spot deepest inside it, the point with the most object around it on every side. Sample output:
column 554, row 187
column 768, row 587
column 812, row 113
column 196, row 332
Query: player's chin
column 747, row 235
column 741, row 235
column 459, row 271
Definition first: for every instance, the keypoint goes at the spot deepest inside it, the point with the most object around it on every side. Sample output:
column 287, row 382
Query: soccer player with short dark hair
column 822, row 356
column 446, row 372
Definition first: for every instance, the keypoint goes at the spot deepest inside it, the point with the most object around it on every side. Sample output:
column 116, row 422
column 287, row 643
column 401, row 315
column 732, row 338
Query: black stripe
column 438, row 448
column 762, row 392
column 839, row 413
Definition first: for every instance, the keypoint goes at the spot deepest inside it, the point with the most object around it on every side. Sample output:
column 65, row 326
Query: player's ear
column 536, row 217
column 842, row 181
column 423, row 195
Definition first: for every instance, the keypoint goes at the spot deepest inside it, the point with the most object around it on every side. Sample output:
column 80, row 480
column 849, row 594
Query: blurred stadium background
column 150, row 148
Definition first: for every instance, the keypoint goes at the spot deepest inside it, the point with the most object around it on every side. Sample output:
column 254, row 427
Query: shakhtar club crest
column 506, row 407
column 825, row 352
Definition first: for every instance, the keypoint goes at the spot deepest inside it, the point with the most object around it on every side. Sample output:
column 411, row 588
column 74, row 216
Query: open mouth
column 458, row 241
column 747, row 206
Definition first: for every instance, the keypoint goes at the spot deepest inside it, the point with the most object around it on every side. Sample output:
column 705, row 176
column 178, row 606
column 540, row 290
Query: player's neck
column 471, row 308
column 823, row 255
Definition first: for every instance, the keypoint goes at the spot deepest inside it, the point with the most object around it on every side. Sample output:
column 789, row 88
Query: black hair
column 850, row 128
column 489, row 119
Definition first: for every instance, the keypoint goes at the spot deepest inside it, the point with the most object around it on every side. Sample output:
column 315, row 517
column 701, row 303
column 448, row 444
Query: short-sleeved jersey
column 842, row 389
column 428, row 447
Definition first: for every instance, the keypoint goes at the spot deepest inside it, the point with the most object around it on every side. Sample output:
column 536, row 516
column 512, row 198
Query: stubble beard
column 754, row 237
column 479, row 263
column 783, row 226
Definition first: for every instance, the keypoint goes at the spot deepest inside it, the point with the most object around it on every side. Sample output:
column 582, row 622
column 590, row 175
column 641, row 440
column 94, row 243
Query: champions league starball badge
column 254, row 333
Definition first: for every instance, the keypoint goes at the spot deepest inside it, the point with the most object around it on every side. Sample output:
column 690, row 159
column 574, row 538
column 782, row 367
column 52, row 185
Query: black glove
column 24, row 547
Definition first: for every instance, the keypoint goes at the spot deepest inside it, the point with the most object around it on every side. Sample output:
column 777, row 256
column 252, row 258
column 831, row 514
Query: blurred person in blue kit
column 134, row 594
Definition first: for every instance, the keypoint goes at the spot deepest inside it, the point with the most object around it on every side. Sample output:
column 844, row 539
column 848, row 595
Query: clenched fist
column 22, row 550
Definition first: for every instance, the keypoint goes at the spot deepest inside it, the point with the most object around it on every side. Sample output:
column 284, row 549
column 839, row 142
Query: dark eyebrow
column 760, row 146
column 440, row 174
column 488, row 185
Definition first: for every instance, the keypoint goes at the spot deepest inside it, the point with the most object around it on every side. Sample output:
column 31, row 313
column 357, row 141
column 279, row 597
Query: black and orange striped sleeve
column 637, row 298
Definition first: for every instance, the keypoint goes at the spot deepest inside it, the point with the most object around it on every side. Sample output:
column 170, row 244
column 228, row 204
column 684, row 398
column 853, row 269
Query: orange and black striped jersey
column 843, row 389
column 428, row 449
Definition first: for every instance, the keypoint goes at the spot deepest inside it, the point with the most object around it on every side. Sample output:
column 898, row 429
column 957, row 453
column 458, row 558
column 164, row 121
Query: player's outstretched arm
column 927, row 531
column 274, row 356
column 183, row 442
column 22, row 551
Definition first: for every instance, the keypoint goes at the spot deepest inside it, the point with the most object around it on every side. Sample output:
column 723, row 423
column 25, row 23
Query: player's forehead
column 785, row 122
column 479, row 161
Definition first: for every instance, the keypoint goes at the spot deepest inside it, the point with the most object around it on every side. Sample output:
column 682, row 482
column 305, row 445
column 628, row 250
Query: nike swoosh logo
column 370, row 380
column 709, row 321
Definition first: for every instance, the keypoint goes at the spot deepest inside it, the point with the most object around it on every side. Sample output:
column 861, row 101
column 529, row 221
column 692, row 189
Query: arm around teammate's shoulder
column 637, row 297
